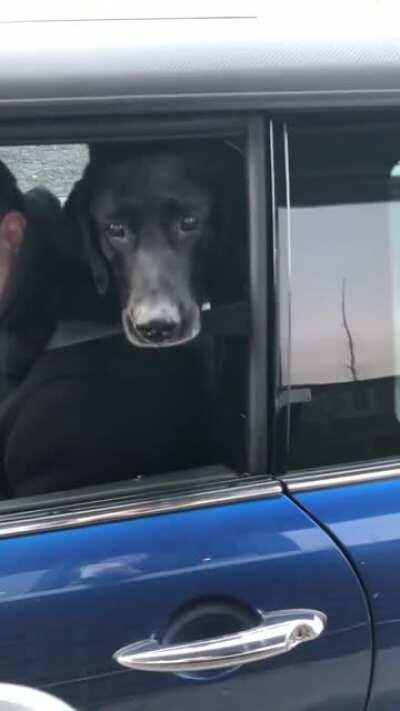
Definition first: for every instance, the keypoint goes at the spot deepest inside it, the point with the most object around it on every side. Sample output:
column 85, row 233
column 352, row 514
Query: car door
column 340, row 355
column 71, row 597
column 224, row 559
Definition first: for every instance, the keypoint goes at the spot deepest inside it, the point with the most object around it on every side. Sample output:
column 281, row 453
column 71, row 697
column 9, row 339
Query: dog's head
column 151, row 216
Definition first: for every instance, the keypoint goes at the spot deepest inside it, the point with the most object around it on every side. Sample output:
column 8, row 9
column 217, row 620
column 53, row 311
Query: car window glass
column 340, row 325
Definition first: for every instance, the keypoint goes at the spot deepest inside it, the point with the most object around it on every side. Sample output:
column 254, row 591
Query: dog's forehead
column 154, row 175
column 165, row 167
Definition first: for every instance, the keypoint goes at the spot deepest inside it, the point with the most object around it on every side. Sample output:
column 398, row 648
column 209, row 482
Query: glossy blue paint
column 365, row 518
column 69, row 599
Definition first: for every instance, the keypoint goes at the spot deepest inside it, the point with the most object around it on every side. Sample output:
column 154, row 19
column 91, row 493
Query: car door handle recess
column 279, row 632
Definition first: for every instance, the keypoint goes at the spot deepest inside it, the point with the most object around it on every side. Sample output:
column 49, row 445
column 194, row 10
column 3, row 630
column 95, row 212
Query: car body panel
column 181, row 64
column 365, row 519
column 69, row 600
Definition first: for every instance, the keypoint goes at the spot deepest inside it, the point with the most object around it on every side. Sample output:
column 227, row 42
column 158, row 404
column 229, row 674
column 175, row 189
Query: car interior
column 148, row 417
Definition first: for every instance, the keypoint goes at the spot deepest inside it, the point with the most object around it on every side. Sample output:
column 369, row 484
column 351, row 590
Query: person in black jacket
column 27, row 276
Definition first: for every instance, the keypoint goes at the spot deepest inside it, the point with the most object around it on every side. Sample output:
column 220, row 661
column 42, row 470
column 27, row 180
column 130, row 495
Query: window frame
column 316, row 477
column 198, row 487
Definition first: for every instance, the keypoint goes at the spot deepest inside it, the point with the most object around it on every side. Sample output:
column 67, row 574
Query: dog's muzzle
column 160, row 326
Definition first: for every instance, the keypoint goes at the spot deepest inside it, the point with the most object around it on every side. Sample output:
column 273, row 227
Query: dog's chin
column 188, row 334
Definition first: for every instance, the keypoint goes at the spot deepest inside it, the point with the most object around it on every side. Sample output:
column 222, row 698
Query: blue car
column 265, row 573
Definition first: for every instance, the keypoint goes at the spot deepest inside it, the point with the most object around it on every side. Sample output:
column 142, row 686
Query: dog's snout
column 158, row 330
column 153, row 324
column 149, row 327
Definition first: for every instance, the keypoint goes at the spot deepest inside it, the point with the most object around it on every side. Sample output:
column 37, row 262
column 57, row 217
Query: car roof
column 76, row 10
column 260, row 55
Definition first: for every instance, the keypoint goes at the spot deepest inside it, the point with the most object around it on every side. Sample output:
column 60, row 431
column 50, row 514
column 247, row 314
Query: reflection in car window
column 342, row 322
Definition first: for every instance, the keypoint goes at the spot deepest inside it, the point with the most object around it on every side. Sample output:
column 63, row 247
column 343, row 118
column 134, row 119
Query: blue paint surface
column 69, row 599
column 365, row 518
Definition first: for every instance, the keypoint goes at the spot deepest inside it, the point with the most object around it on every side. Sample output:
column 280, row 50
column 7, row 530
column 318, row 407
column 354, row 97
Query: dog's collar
column 69, row 333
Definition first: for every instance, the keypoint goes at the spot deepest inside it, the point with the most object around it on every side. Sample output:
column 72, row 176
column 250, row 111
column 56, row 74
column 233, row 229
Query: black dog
column 157, row 220
column 160, row 231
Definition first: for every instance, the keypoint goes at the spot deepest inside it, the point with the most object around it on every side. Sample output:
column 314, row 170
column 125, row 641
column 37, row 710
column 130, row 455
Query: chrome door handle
column 278, row 633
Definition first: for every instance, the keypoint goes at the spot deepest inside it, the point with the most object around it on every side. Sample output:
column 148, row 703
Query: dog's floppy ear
column 78, row 216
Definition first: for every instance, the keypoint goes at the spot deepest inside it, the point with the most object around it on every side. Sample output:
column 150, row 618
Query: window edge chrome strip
column 309, row 481
column 74, row 516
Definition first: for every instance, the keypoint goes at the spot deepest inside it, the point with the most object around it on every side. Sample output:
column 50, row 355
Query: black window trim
column 121, row 501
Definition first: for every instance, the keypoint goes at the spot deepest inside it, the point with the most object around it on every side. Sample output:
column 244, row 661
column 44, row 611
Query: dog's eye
column 116, row 231
column 188, row 223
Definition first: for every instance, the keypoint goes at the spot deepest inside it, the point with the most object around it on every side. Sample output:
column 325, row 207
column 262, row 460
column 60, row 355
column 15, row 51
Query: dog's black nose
column 158, row 331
